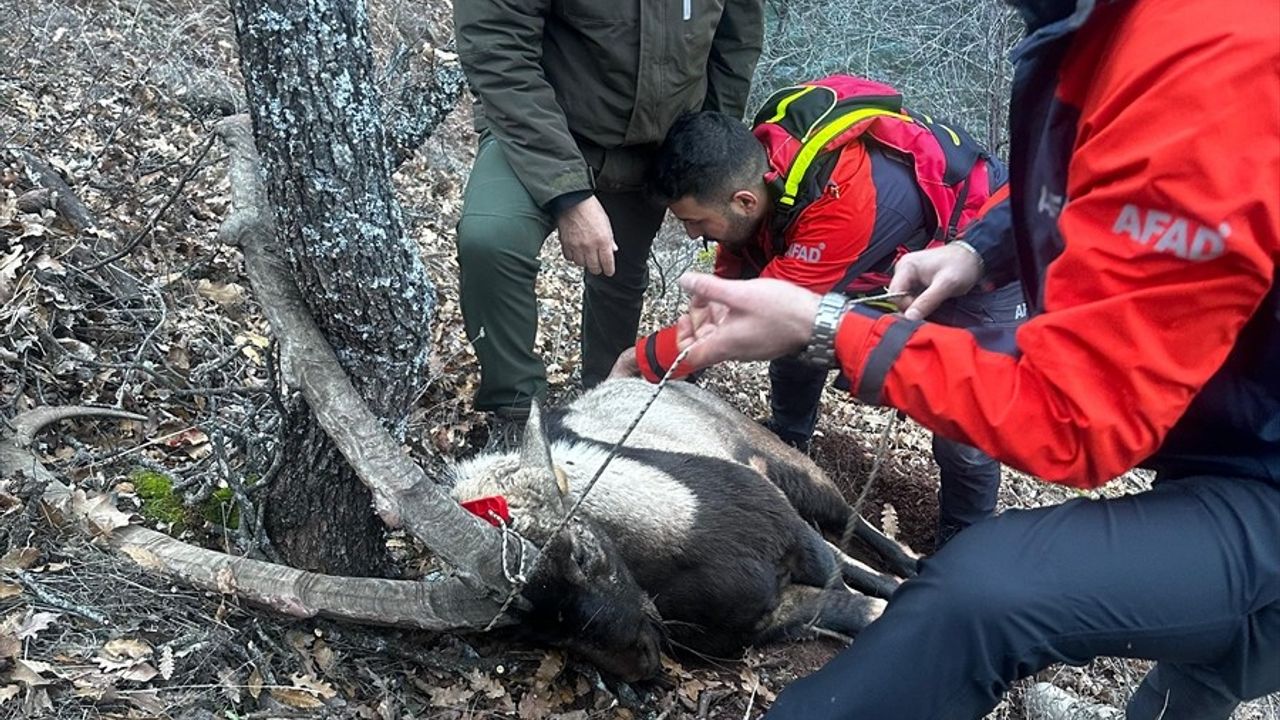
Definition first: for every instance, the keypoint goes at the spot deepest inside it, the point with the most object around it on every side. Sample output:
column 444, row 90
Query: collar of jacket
column 1049, row 20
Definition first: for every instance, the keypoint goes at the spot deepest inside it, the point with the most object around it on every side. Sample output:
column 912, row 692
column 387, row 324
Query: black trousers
column 970, row 479
column 500, row 234
column 1187, row 574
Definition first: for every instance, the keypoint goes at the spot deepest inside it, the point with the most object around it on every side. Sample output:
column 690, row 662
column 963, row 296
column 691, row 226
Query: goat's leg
column 819, row 502
column 863, row 577
column 897, row 559
column 820, row 563
column 802, row 608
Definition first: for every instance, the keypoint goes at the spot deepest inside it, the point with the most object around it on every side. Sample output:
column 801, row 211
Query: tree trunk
column 308, row 71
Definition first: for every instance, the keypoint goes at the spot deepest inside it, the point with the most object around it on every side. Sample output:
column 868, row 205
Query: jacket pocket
column 597, row 12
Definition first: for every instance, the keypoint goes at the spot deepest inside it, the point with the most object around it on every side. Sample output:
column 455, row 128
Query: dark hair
column 706, row 155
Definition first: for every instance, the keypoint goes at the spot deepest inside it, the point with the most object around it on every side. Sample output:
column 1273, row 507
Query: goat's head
column 582, row 595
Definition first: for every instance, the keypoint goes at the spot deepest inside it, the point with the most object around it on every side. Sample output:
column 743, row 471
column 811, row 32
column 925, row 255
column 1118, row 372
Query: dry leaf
column 126, row 649
column 143, row 557
column 251, row 344
column 225, row 295
column 534, row 706
column 35, row 623
column 551, row 665
column 889, row 520
column 94, row 685
column 141, row 672
column 255, row 684
column 36, row 703
column 314, row 685
column 9, row 503
column 8, row 692
column 10, row 646
column 28, row 672
column 691, row 689
column 751, row 684
column 192, row 441
column 324, row 656
column 230, row 688
column 674, row 668
column 451, row 697
column 486, row 685
column 149, row 702
column 166, row 662
column 19, row 558
column 9, row 266
column 99, row 512
column 296, row 698
column 8, row 590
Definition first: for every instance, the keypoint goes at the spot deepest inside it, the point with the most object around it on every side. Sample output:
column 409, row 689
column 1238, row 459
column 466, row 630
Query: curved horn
column 535, row 452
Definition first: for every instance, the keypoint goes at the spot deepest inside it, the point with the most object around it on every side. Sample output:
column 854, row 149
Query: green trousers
column 500, row 234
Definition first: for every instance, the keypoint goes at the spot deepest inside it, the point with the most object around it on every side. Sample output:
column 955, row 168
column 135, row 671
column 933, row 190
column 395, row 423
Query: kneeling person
column 833, row 183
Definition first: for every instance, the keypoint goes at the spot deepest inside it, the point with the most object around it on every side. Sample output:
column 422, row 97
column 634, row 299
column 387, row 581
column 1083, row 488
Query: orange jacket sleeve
column 1178, row 143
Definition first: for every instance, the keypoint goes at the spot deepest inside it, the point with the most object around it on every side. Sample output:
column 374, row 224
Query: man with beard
column 889, row 183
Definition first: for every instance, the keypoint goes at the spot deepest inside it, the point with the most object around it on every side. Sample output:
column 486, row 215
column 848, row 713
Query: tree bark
column 308, row 71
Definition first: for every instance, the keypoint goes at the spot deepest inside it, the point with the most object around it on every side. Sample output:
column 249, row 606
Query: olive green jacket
column 581, row 92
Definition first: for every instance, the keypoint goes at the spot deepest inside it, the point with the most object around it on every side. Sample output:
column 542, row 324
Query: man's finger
column 926, row 302
column 703, row 288
column 905, row 278
column 590, row 261
column 605, row 259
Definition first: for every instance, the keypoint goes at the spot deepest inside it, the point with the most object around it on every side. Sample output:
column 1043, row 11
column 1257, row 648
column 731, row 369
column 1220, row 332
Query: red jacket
column 1145, row 224
column 871, row 207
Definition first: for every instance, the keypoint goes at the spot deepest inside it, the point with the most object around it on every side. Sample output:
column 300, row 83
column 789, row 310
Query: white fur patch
column 643, row 503
column 677, row 421
column 631, row 497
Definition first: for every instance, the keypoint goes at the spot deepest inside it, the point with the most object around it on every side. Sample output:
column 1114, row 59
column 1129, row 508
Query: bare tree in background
column 309, row 79
column 948, row 58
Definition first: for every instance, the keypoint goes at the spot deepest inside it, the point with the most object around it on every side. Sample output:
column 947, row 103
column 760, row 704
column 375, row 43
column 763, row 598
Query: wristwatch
column 821, row 350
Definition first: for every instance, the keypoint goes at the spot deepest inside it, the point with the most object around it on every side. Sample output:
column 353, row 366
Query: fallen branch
column 403, row 495
column 444, row 603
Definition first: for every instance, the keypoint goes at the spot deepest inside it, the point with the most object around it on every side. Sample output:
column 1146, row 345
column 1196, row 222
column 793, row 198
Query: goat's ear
column 535, row 453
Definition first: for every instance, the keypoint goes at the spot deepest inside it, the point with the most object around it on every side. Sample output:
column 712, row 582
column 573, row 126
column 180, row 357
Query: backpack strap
column 818, row 141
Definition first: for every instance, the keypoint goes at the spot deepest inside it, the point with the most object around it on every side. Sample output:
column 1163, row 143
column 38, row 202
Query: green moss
column 159, row 504
column 221, row 501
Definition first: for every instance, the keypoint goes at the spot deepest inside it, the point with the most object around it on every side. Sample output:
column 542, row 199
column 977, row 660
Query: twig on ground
column 54, row 599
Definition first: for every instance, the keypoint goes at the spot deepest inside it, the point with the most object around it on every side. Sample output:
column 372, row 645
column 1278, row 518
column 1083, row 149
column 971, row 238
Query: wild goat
column 699, row 535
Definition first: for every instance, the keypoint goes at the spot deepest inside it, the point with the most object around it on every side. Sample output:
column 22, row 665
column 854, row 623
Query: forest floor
column 111, row 96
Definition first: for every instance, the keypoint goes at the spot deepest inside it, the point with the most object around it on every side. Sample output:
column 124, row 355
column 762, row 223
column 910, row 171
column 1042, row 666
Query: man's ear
column 746, row 200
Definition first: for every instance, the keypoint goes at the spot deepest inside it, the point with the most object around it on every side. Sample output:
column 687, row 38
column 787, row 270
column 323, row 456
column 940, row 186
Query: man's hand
column 586, row 237
column 744, row 319
column 934, row 276
column 625, row 366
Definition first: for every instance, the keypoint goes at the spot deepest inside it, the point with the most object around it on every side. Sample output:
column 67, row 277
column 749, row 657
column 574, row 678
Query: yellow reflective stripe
column 954, row 137
column 811, row 148
column 782, row 106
